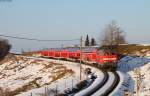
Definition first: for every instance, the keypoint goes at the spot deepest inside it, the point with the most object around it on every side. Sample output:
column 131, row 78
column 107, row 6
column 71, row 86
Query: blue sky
column 70, row 19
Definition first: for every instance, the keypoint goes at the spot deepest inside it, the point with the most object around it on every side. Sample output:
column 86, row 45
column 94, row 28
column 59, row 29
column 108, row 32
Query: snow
column 125, row 70
column 30, row 73
column 40, row 73
column 13, row 74
column 144, row 79
column 111, row 78
column 96, row 82
column 129, row 65
column 143, row 45
column 124, row 84
column 63, row 83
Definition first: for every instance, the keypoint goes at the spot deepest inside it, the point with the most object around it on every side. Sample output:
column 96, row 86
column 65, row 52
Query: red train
column 102, row 58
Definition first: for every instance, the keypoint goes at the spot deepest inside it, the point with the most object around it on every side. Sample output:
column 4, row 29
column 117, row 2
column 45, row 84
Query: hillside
column 19, row 74
column 133, row 49
column 137, row 65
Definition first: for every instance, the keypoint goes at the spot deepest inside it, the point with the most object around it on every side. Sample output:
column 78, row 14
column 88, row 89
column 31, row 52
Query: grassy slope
column 132, row 49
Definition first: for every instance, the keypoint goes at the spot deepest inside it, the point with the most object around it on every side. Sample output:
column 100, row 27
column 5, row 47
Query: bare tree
column 4, row 48
column 113, row 35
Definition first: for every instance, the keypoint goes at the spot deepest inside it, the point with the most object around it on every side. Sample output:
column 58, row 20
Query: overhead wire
column 34, row 39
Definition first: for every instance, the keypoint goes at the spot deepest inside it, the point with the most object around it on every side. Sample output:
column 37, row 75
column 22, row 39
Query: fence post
column 65, row 83
column 56, row 89
column 45, row 91
column 72, row 83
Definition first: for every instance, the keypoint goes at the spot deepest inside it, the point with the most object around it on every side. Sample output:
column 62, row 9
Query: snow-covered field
column 28, row 73
column 64, row 83
column 37, row 76
column 129, row 63
column 138, row 70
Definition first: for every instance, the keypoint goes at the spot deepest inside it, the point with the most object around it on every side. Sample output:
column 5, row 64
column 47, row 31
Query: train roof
column 89, row 49
column 84, row 49
column 72, row 49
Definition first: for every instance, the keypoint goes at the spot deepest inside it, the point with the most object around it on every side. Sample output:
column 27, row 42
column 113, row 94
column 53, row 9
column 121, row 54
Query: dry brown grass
column 8, row 58
column 59, row 74
column 56, row 74
column 5, row 92
column 132, row 49
column 49, row 65
column 129, row 49
column 32, row 84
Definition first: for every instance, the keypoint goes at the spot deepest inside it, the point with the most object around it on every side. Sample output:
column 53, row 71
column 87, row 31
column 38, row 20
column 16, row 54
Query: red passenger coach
column 64, row 54
column 90, row 54
column 87, row 56
column 94, row 57
column 74, row 52
column 78, row 54
column 51, row 53
column 57, row 54
column 44, row 53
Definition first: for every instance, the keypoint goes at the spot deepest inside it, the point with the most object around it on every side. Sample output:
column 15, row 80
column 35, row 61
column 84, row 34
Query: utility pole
column 80, row 57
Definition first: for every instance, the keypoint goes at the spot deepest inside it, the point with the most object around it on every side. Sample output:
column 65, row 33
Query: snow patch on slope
column 129, row 65
column 28, row 73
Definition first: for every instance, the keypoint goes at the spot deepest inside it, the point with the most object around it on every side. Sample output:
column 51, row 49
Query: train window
column 101, row 52
column 78, row 54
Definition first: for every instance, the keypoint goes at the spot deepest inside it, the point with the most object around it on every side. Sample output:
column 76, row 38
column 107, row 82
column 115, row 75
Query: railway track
column 95, row 86
column 113, row 86
column 103, row 88
column 109, row 86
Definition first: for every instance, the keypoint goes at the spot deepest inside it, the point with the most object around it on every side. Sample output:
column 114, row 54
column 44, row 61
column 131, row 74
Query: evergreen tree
column 93, row 42
column 87, row 41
